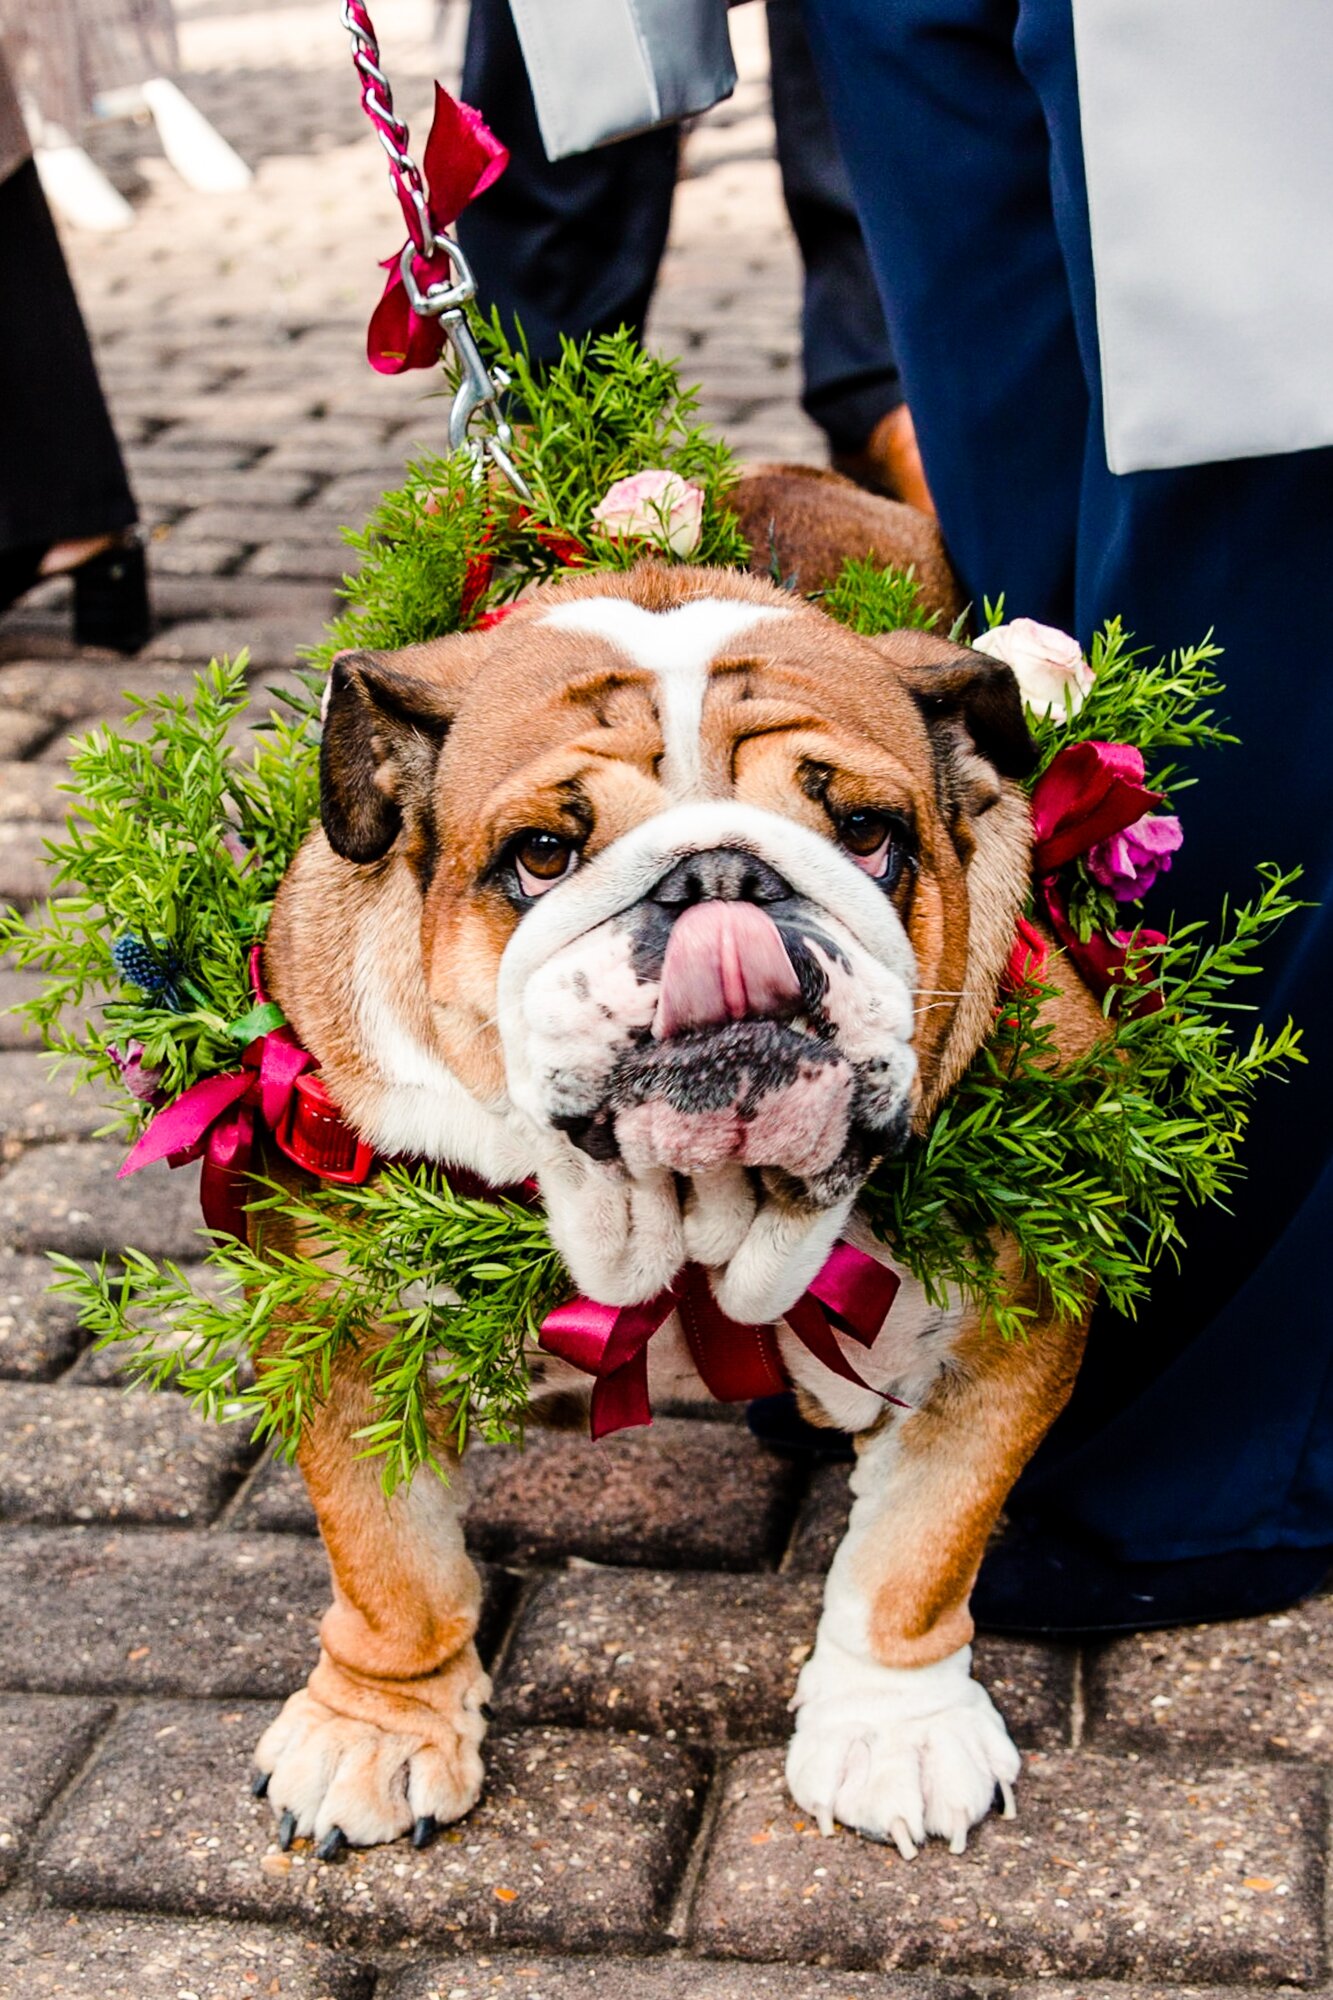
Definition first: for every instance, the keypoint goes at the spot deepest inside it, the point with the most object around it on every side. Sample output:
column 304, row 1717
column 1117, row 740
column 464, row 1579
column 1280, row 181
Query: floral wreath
column 167, row 874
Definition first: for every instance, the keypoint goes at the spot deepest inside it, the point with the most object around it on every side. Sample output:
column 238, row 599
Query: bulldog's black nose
column 720, row 874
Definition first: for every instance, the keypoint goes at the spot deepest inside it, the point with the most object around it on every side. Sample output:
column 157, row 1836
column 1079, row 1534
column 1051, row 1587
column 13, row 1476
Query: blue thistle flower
column 153, row 968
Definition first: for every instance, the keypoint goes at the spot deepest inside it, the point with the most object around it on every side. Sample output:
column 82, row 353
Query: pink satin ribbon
column 1086, row 793
column 852, row 1292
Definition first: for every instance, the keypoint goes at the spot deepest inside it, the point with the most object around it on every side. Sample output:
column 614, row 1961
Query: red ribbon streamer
column 853, row 1292
column 463, row 158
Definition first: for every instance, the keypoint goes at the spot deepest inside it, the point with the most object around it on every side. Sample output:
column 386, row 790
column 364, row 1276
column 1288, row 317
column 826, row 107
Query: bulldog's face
column 694, row 873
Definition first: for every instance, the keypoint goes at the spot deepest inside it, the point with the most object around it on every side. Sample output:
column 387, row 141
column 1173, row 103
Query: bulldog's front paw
column 897, row 1753
column 383, row 1762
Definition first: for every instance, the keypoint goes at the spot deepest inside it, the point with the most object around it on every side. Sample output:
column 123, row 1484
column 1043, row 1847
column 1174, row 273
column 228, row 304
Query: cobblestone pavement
column 647, row 1609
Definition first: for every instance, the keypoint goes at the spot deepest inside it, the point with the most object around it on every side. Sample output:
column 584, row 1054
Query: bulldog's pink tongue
column 724, row 962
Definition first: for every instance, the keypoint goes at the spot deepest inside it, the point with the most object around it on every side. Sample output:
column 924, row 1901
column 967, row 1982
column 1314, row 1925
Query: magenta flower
column 140, row 1080
column 1129, row 863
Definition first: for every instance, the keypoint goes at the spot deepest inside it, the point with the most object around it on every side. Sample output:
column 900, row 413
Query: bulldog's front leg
column 385, row 1738
column 893, row 1736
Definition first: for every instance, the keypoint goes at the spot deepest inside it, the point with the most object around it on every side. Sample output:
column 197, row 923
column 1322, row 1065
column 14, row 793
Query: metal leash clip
column 479, row 389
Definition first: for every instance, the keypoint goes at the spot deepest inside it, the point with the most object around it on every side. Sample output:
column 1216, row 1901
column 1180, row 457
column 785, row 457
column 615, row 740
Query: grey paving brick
column 247, row 597
column 189, row 454
column 677, row 1495
column 43, row 1741
column 32, row 791
column 63, row 691
column 821, row 1522
column 20, row 733
column 520, row 1976
column 1098, row 1989
column 39, row 1330
column 26, row 876
column 246, row 520
column 712, row 1657
column 67, row 1197
column 35, row 1104
column 1031, row 1682
column 85, row 1955
column 577, row 1843
column 146, row 1613
column 303, row 558
column 1259, row 1684
column 73, row 1454
column 197, row 558
column 270, row 642
column 181, row 1613
column 1114, row 1869
column 276, row 1502
column 159, row 485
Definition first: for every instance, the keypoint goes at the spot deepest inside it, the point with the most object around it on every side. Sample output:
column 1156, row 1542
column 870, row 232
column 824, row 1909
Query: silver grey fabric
column 1208, row 138
column 601, row 69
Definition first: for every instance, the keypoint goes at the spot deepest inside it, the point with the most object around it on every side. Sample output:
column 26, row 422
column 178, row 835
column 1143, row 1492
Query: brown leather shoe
column 889, row 461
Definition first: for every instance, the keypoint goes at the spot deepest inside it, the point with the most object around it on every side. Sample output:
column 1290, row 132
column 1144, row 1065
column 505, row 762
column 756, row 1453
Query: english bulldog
column 686, row 902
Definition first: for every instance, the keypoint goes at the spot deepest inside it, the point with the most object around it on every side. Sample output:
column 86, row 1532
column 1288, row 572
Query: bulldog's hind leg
column 893, row 1736
column 385, row 1738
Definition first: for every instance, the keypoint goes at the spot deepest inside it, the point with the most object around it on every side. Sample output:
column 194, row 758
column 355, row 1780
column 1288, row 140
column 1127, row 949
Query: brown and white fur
column 692, row 742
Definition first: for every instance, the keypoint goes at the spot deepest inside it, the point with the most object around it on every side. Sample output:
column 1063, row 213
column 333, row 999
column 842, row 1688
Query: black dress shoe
column 1039, row 1583
column 111, row 607
column 111, row 599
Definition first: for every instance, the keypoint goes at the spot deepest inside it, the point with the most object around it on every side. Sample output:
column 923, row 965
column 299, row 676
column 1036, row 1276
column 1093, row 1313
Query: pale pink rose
column 1129, row 863
column 1047, row 664
column 654, row 506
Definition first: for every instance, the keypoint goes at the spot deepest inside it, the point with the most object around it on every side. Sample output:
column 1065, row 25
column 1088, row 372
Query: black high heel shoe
column 111, row 607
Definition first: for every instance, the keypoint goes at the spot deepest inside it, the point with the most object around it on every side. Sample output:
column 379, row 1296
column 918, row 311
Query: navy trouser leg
column 571, row 247
column 1209, row 1425
column 851, row 374
column 945, row 145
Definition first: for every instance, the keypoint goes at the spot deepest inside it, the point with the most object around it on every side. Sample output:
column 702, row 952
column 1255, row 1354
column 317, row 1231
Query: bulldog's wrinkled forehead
column 678, row 648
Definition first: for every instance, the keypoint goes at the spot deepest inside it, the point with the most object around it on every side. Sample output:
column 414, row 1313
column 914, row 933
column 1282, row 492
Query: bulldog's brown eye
column 879, row 844
column 864, row 832
column 541, row 859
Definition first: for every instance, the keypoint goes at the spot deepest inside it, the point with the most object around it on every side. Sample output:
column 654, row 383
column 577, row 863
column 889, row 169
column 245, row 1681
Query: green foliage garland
column 181, row 838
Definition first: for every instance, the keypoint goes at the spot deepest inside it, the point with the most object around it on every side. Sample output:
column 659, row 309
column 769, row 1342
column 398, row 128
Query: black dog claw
column 286, row 1830
column 484, row 1708
column 333, row 1846
column 259, row 1784
column 424, row 1831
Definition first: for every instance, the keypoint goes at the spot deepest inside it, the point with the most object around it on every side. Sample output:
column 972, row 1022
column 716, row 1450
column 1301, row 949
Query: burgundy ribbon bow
column 462, row 159
column 216, row 1118
column 852, row 1293
column 1088, row 792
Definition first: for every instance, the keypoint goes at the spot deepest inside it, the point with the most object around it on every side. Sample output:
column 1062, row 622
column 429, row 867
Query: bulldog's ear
column 385, row 719
column 972, row 708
